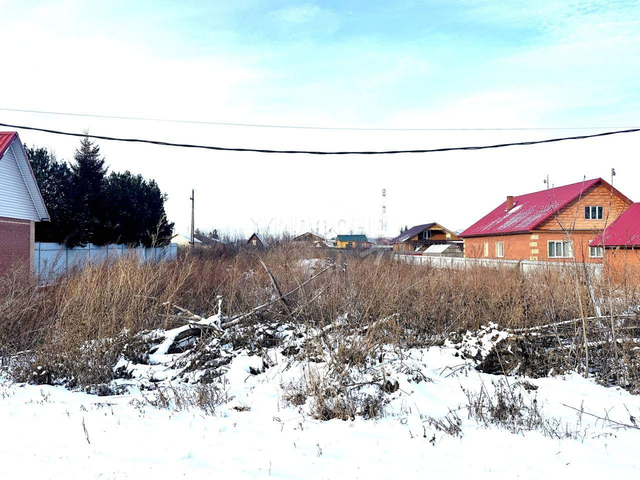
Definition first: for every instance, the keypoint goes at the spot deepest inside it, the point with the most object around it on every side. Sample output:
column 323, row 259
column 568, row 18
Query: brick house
column 21, row 204
column 554, row 225
column 620, row 241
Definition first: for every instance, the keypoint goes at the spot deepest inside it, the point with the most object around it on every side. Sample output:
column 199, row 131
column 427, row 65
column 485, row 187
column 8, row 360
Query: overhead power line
column 319, row 152
column 310, row 127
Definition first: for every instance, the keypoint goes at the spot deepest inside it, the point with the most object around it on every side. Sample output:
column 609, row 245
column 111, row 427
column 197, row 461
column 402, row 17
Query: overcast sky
column 402, row 64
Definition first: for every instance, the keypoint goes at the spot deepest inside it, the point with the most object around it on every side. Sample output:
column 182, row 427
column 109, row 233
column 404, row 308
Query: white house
column 21, row 204
column 184, row 240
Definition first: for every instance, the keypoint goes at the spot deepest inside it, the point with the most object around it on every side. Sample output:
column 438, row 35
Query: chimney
column 509, row 202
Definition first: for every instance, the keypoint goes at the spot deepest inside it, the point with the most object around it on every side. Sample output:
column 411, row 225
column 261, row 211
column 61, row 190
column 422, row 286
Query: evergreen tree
column 89, row 200
column 55, row 181
column 86, row 206
column 136, row 211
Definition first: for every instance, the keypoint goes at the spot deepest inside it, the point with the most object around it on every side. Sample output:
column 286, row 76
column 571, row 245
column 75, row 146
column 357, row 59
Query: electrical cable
column 316, row 152
column 310, row 127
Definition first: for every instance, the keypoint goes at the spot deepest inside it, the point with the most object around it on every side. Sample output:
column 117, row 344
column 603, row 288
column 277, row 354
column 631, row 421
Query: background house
column 206, row 240
column 21, row 204
column 620, row 242
column 255, row 241
column 352, row 241
column 310, row 239
column 420, row 237
column 551, row 225
column 184, row 240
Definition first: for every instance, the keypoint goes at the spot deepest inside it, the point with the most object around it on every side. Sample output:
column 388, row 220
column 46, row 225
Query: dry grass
column 76, row 328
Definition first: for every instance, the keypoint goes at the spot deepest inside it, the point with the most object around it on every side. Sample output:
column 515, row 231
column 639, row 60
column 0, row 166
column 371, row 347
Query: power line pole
column 193, row 241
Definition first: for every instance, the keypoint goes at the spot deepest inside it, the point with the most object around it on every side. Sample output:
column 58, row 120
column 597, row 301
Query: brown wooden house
column 420, row 237
column 554, row 225
column 310, row 238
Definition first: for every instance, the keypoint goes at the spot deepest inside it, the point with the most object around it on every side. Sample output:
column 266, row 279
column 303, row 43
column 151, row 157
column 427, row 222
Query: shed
column 21, row 204
column 352, row 241
column 444, row 250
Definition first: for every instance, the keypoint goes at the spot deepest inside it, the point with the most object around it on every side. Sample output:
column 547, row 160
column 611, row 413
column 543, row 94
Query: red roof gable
column 623, row 232
column 5, row 140
column 530, row 211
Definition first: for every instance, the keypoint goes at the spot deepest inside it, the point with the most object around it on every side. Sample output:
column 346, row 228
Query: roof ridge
column 583, row 182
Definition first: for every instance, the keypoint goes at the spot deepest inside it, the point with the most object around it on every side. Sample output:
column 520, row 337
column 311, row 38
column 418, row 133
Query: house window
column 500, row 249
column 593, row 213
column 426, row 235
column 560, row 250
column 486, row 249
column 596, row 252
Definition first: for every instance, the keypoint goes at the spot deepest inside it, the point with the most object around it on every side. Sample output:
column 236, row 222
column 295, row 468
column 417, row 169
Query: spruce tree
column 55, row 181
column 89, row 199
column 136, row 214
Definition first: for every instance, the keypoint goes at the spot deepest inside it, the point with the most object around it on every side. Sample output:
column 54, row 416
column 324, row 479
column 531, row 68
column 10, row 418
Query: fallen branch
column 568, row 322
column 604, row 419
column 276, row 287
column 239, row 318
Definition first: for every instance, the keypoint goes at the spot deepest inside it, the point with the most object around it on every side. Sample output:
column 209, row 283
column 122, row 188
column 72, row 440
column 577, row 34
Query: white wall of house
column 16, row 200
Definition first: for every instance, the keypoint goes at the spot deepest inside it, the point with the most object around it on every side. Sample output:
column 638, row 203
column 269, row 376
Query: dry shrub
column 23, row 312
column 205, row 397
column 508, row 407
column 368, row 301
column 336, row 399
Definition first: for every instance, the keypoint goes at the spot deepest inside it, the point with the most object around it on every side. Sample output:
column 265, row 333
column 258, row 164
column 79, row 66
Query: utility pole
column 547, row 181
column 193, row 238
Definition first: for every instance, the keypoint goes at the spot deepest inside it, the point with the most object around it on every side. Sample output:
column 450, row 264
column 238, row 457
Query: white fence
column 462, row 263
column 53, row 259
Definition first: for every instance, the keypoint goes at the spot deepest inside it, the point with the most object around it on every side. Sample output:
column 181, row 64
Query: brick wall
column 15, row 243
column 624, row 265
column 530, row 246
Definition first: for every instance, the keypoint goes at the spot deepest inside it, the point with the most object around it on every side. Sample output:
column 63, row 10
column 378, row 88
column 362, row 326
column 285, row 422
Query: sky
column 564, row 68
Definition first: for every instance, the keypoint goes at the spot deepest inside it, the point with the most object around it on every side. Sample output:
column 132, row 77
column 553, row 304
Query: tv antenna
column 383, row 213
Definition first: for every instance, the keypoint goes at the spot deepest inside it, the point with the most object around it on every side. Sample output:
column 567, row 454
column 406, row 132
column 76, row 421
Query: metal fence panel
column 53, row 259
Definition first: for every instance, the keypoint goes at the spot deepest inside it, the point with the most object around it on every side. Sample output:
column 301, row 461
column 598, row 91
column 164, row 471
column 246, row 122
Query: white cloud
column 306, row 18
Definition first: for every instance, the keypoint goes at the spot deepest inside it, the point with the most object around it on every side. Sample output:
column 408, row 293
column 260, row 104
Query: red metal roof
column 623, row 232
column 530, row 210
column 5, row 140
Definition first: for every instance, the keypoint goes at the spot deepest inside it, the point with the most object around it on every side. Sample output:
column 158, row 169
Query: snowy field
column 50, row 432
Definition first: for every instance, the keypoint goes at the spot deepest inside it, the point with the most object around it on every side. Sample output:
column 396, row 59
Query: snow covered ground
column 50, row 432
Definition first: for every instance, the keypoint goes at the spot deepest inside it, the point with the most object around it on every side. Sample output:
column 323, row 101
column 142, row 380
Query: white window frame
column 499, row 249
column 486, row 249
column 566, row 246
column 596, row 252
column 593, row 212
